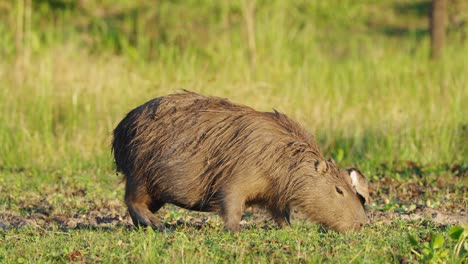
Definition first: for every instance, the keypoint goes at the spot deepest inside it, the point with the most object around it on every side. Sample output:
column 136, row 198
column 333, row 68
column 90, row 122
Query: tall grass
column 369, row 97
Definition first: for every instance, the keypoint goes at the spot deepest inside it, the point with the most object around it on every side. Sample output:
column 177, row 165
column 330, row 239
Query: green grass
column 368, row 94
column 296, row 244
column 355, row 73
column 45, row 200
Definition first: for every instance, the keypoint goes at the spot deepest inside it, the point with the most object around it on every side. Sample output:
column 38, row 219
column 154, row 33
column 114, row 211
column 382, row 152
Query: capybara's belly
column 201, row 206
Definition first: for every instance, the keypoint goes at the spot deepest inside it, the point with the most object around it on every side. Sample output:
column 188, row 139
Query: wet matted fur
column 208, row 154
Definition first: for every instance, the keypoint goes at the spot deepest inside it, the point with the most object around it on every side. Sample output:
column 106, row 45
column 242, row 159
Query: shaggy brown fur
column 208, row 154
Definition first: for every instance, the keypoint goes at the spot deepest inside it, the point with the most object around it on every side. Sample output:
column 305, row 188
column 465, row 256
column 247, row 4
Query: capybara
column 208, row 154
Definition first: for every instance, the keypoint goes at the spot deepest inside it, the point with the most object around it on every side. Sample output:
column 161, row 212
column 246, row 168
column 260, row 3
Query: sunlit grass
column 61, row 107
column 368, row 95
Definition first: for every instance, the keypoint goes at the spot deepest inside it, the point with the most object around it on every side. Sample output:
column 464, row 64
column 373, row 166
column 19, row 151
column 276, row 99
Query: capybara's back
column 208, row 154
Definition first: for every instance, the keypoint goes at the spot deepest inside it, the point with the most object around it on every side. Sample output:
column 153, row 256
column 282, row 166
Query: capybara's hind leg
column 281, row 216
column 142, row 216
column 141, row 207
column 155, row 206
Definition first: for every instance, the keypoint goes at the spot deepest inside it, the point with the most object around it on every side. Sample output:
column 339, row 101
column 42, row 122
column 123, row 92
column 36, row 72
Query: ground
column 71, row 220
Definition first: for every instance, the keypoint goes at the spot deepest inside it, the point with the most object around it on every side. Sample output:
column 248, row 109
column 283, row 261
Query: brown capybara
column 208, row 154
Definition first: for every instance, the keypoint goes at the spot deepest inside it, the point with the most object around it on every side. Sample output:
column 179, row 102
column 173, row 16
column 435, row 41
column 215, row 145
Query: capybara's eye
column 338, row 190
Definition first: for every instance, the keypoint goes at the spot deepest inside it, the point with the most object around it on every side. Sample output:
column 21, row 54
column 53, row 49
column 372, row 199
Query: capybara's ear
column 332, row 161
column 321, row 166
column 360, row 184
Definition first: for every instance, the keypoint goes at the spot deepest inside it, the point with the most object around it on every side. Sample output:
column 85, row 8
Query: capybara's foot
column 143, row 217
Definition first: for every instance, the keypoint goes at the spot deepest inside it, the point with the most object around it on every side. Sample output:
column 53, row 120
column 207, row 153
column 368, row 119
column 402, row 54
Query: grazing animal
column 208, row 154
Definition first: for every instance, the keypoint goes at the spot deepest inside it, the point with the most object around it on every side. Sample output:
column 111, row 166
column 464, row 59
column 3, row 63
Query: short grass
column 40, row 207
column 300, row 243
column 355, row 73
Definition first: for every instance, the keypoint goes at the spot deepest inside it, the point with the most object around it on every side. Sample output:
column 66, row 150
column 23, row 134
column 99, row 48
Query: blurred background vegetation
column 355, row 72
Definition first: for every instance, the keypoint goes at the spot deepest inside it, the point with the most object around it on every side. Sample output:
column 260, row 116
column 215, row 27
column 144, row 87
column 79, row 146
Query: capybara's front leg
column 231, row 211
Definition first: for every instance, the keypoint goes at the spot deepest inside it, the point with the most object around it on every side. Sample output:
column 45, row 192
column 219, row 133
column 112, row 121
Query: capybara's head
column 336, row 197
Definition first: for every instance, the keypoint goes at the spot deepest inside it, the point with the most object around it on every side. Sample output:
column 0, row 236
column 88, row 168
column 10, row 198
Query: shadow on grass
column 386, row 155
column 420, row 8
column 356, row 149
column 406, row 11
column 400, row 31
